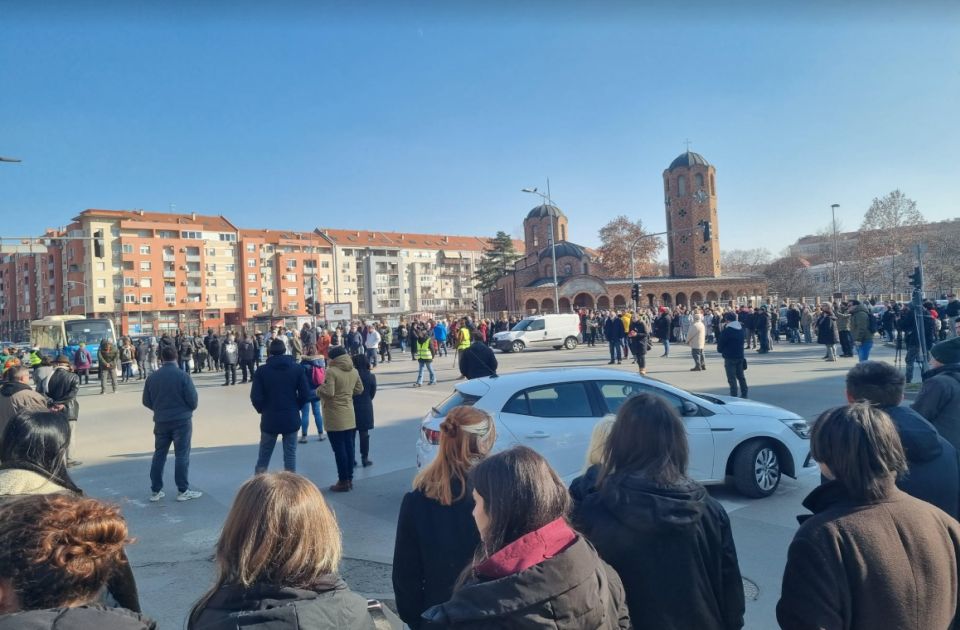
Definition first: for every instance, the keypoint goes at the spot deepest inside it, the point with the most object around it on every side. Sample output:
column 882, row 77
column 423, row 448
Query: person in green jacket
column 860, row 329
column 341, row 384
column 107, row 357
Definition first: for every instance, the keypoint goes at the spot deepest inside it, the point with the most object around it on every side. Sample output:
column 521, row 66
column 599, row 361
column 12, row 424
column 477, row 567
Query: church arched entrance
column 546, row 306
column 666, row 299
column 681, row 299
column 603, row 302
column 531, row 306
column 565, row 305
column 711, row 296
column 619, row 301
column 696, row 298
column 726, row 295
column 583, row 300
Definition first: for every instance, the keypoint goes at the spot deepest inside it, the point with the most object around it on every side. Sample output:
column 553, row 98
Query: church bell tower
column 690, row 192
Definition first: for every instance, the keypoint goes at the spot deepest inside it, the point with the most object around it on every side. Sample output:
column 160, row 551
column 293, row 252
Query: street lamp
column 85, row 286
column 553, row 243
column 7, row 159
column 836, row 251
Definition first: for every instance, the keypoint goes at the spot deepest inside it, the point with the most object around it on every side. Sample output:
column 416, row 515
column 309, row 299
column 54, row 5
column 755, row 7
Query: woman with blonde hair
column 277, row 562
column 436, row 533
column 587, row 481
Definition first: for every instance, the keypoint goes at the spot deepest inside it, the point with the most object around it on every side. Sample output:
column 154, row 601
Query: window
column 712, row 190
column 292, row 264
column 129, row 282
column 129, row 299
column 254, row 307
column 251, row 277
column 229, row 267
column 615, row 393
column 196, row 236
column 681, row 185
column 145, row 250
column 290, row 277
column 146, row 282
column 252, row 291
column 211, row 251
column 251, row 262
column 101, row 283
column 101, row 266
column 251, row 247
column 211, row 282
column 102, row 300
column 325, row 264
column 698, row 181
column 560, row 400
column 567, row 270
column 291, row 291
column 146, row 299
column 127, row 248
column 166, row 234
column 228, row 238
column 144, row 265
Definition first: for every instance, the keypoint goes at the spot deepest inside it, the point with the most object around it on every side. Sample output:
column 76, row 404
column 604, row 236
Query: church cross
column 687, row 142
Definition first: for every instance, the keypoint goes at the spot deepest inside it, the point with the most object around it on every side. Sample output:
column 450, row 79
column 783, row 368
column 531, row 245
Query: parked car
column 541, row 331
column 553, row 411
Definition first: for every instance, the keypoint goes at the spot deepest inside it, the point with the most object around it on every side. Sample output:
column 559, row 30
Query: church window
column 685, row 265
column 698, row 178
column 682, row 212
column 563, row 232
column 567, row 270
column 548, row 270
column 684, row 238
column 536, row 240
column 681, row 186
column 703, row 249
column 712, row 189
column 586, row 268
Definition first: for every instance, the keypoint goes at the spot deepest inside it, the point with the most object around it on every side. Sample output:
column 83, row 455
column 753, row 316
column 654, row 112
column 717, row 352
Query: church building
column 690, row 193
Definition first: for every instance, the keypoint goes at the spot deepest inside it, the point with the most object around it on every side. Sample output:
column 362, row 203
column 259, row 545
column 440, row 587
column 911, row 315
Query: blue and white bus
column 63, row 334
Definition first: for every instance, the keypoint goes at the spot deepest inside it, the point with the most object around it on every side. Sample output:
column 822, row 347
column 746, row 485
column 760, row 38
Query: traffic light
column 707, row 231
column 316, row 307
column 916, row 278
column 635, row 292
column 98, row 243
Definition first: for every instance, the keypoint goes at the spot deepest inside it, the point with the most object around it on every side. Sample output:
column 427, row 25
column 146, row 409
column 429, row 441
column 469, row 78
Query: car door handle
column 537, row 434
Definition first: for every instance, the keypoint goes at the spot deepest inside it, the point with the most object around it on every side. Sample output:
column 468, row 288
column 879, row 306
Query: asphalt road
column 174, row 541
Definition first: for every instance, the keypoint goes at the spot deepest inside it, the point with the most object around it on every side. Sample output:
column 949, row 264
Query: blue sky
column 432, row 116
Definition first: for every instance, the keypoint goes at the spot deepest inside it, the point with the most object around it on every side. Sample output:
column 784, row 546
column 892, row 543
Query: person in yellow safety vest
column 35, row 358
column 424, row 354
column 463, row 337
column 625, row 319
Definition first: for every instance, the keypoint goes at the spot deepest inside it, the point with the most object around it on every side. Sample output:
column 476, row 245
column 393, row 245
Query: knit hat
column 278, row 347
column 62, row 360
column 947, row 352
column 337, row 351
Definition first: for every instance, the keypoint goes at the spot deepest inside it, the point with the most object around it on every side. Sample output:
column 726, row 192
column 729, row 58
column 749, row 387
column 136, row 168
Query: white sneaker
column 156, row 496
column 189, row 494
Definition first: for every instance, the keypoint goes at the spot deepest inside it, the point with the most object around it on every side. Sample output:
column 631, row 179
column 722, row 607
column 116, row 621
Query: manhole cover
column 750, row 589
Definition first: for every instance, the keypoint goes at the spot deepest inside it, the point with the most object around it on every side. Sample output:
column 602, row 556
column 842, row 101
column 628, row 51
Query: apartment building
column 30, row 281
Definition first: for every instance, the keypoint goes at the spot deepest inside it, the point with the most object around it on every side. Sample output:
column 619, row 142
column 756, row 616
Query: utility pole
column 836, row 250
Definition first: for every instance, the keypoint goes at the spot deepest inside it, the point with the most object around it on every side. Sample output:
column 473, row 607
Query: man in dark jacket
column 279, row 392
column 62, row 389
column 761, row 324
column 911, row 337
column 170, row 394
column 214, row 350
column 939, row 397
column 730, row 345
column 247, row 352
column 229, row 358
column 613, row 331
column 478, row 361
column 793, row 324
column 661, row 329
column 934, row 470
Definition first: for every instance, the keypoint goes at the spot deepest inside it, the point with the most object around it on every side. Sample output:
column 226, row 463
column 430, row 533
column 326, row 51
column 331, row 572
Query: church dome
column 688, row 159
column 544, row 211
column 564, row 248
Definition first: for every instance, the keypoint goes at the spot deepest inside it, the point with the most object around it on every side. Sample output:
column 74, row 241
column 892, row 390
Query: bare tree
column 786, row 277
column 941, row 269
column 891, row 228
column 617, row 237
column 745, row 260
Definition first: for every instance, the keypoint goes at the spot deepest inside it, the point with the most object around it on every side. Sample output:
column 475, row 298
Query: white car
column 553, row 411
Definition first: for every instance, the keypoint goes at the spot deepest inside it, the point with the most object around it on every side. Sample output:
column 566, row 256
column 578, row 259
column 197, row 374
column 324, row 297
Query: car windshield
column 456, row 399
column 523, row 324
column 90, row 332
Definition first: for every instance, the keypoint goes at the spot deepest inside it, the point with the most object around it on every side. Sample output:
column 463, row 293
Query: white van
column 541, row 331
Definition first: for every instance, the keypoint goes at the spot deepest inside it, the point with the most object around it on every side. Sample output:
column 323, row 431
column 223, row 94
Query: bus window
column 47, row 337
column 88, row 331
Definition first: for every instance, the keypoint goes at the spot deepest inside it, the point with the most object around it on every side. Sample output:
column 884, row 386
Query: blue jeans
column 666, row 346
column 863, row 350
column 615, row 349
column 163, row 437
column 305, row 417
column 268, row 441
column 344, row 451
column 372, row 356
column 433, row 376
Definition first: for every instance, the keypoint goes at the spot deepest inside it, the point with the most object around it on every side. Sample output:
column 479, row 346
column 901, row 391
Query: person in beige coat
column 696, row 339
column 336, row 394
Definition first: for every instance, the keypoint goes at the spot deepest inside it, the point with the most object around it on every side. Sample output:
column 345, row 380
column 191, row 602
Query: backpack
column 317, row 375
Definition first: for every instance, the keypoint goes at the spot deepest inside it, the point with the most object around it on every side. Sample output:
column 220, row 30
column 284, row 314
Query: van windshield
column 523, row 324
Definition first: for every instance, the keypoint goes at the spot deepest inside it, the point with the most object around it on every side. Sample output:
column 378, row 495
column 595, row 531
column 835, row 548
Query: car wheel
column 570, row 343
column 517, row 346
column 756, row 469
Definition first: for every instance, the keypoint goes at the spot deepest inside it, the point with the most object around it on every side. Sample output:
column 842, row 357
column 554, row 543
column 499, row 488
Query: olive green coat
column 336, row 394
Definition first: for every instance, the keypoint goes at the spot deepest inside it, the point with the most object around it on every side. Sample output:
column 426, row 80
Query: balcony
column 169, row 258
column 194, row 289
column 169, row 274
column 194, row 274
column 193, row 258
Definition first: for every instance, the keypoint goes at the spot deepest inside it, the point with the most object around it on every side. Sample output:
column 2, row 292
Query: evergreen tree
column 497, row 261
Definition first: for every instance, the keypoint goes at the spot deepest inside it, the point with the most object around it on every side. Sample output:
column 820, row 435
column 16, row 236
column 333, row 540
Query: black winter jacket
column 363, row 402
column 171, row 395
column 939, row 401
column 573, row 590
column 661, row 327
column 80, row 618
column 730, row 341
column 434, row 544
column 827, row 333
column 331, row 606
column 478, row 361
column 247, row 350
column 62, row 388
column 934, row 470
column 279, row 392
column 613, row 329
column 672, row 547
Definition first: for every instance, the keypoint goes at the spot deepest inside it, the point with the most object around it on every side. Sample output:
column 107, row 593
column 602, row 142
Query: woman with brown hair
column 870, row 556
column 531, row 569
column 669, row 540
column 436, row 533
column 57, row 553
column 277, row 562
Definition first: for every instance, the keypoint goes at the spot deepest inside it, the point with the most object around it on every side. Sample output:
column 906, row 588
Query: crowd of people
column 496, row 540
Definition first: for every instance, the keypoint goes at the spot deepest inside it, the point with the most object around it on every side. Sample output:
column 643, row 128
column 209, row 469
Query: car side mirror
column 690, row 409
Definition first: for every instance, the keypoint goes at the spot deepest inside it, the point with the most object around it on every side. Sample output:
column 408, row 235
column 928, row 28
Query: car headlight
column 798, row 426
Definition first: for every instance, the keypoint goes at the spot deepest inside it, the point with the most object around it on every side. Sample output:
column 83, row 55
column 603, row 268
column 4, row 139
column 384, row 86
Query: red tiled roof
column 366, row 238
column 217, row 223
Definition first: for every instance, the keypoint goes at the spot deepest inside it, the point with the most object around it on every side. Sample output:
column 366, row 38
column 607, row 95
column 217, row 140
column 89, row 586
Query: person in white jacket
column 372, row 345
column 696, row 339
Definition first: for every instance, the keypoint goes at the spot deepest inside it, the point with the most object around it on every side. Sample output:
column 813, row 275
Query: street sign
column 338, row 311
